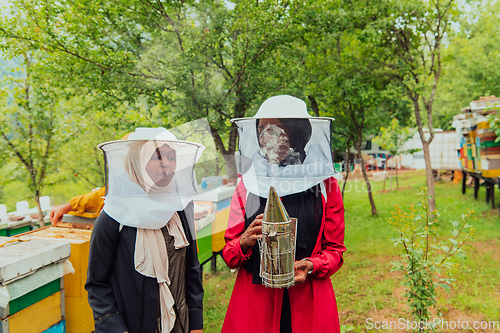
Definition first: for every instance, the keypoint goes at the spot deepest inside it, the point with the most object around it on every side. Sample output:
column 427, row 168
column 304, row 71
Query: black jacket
column 124, row 300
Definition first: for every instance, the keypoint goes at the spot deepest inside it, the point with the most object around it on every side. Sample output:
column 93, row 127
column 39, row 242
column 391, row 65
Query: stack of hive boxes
column 24, row 218
column 489, row 150
column 466, row 128
column 462, row 155
column 479, row 153
column 472, row 149
column 79, row 317
column 211, row 211
column 32, row 285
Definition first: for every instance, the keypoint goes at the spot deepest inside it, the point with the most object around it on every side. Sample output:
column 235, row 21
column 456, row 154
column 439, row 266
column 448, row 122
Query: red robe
column 254, row 308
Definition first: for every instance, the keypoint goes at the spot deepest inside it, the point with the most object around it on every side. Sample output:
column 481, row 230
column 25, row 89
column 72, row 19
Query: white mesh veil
column 283, row 146
column 150, row 177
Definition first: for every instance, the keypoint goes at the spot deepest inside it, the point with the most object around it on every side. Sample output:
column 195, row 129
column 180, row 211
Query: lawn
column 364, row 286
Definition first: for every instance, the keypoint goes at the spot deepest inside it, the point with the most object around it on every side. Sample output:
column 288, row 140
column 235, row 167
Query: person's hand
column 302, row 267
column 253, row 232
column 196, row 331
column 56, row 214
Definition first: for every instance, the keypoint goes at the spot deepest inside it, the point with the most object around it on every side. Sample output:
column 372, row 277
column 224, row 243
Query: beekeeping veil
column 150, row 176
column 292, row 156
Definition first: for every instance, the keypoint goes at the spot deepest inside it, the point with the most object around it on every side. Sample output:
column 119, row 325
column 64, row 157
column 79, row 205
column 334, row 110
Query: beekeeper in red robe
column 283, row 146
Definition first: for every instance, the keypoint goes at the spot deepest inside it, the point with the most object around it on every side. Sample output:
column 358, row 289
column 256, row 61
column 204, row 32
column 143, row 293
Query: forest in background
column 78, row 73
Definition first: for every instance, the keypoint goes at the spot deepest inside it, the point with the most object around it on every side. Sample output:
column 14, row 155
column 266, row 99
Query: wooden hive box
column 489, row 150
column 210, row 235
column 16, row 228
column 79, row 317
column 32, row 284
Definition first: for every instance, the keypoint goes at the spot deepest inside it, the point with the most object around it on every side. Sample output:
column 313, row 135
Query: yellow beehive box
column 491, row 173
column 80, row 241
column 472, row 136
column 79, row 317
column 219, row 227
column 37, row 317
column 483, row 125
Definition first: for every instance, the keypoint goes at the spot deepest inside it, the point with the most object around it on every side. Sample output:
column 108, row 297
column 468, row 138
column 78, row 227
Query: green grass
column 365, row 288
column 218, row 288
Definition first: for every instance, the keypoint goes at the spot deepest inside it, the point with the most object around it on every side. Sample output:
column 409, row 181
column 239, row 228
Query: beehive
column 210, row 229
column 9, row 229
column 79, row 317
column 489, row 150
column 32, row 285
column 479, row 153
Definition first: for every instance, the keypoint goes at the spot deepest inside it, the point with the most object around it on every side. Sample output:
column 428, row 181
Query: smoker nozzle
column 275, row 210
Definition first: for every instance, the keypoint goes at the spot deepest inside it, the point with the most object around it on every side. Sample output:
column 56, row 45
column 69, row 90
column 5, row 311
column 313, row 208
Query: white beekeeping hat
column 283, row 146
column 150, row 176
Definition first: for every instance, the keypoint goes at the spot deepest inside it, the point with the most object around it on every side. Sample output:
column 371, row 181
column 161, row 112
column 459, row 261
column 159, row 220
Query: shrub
column 425, row 259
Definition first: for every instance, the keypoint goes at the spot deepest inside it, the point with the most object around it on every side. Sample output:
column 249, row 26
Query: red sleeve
column 329, row 259
column 232, row 253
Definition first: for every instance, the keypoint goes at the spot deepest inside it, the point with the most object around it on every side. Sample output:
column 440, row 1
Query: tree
column 194, row 59
column 471, row 62
column 80, row 155
column 31, row 127
column 392, row 139
column 340, row 73
column 415, row 32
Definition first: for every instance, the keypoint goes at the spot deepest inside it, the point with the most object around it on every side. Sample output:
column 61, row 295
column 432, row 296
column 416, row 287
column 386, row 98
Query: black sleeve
column 103, row 245
column 194, row 287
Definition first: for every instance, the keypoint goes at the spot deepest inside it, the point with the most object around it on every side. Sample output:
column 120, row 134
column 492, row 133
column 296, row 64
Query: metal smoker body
column 277, row 245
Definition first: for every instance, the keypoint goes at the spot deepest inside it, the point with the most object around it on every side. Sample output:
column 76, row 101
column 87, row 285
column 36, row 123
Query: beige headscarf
column 151, row 257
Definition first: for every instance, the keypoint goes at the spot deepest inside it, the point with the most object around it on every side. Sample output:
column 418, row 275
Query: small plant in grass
column 425, row 260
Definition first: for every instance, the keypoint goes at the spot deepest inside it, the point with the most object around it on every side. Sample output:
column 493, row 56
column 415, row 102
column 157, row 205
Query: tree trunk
column 365, row 176
column 231, row 169
column 397, row 181
column 227, row 154
column 334, row 155
column 425, row 148
column 217, row 165
column 429, row 175
column 314, row 105
column 385, row 178
column 346, row 166
column 240, row 107
column 40, row 213
column 392, row 171
column 346, row 176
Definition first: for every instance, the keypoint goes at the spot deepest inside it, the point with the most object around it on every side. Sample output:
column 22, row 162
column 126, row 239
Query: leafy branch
column 424, row 258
